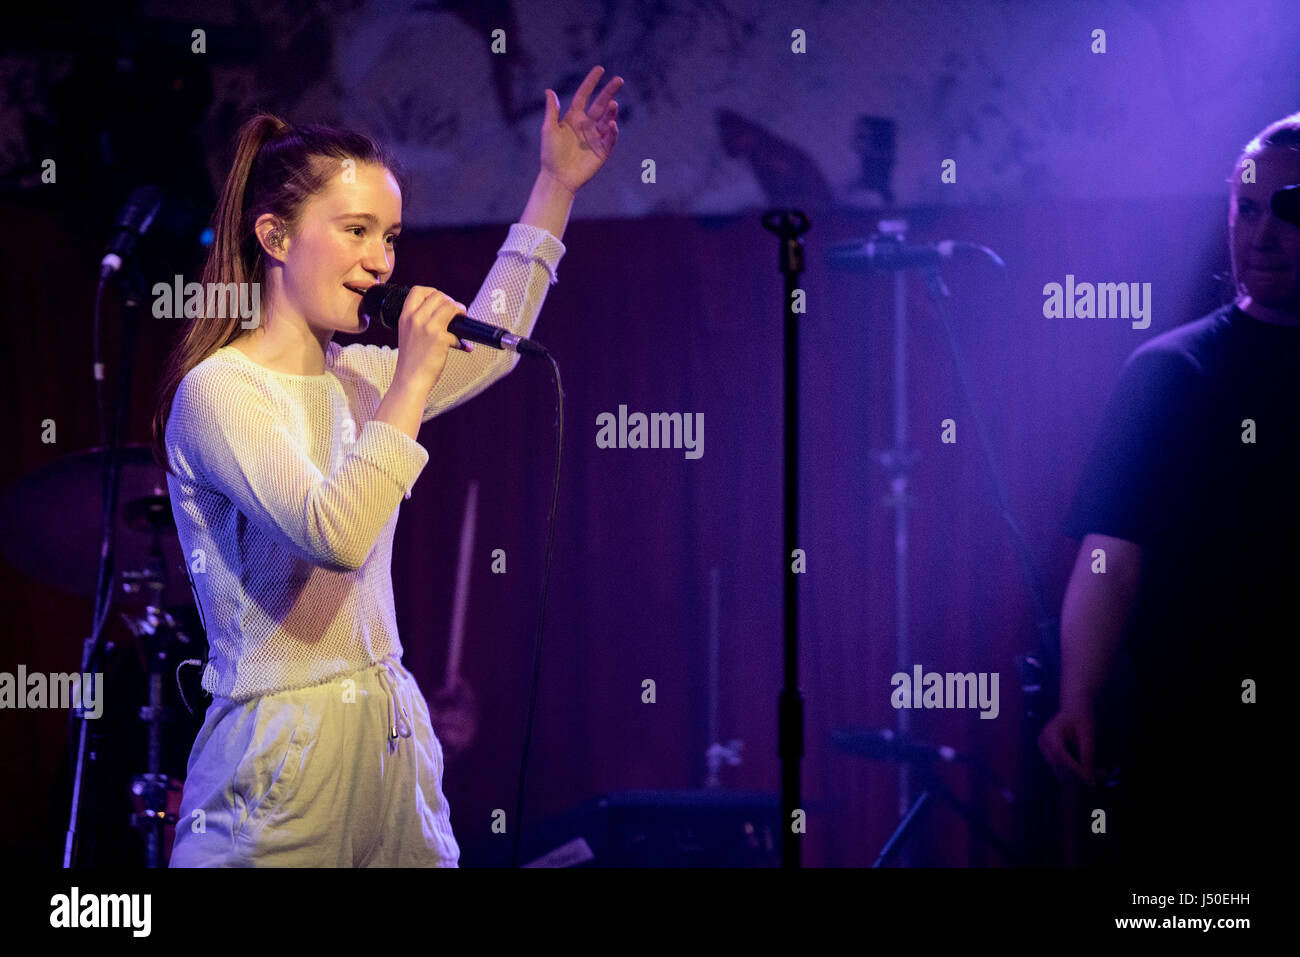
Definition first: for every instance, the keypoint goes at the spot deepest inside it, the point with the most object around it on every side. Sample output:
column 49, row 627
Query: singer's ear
column 273, row 236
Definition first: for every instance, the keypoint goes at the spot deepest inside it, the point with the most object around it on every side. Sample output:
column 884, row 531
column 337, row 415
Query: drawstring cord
column 185, row 701
column 398, row 718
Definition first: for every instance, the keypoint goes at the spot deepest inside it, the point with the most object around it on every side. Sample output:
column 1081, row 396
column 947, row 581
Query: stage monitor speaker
column 697, row 828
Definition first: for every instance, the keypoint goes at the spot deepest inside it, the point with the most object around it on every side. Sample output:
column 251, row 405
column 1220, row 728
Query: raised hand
column 576, row 145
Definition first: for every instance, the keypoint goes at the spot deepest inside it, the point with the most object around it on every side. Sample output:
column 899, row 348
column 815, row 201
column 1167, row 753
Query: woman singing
column 288, row 456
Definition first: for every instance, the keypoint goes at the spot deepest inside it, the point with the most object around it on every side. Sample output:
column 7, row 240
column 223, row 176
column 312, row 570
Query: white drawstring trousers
column 342, row 774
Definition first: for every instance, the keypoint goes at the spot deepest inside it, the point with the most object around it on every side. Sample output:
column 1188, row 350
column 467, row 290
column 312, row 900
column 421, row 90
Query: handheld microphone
column 383, row 301
column 133, row 221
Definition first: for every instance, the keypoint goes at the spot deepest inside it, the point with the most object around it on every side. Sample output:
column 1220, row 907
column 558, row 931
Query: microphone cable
column 541, row 615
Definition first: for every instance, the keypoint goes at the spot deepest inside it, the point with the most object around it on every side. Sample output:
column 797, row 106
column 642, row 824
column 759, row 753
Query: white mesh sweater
column 286, row 491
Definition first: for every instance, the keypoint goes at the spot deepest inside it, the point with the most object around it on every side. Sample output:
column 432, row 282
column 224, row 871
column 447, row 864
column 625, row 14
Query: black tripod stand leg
column 904, row 828
column 979, row 827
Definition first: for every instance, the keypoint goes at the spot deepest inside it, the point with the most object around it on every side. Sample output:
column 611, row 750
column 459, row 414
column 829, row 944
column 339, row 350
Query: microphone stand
column 789, row 225
column 93, row 649
column 897, row 463
column 933, row 788
column 1036, row 668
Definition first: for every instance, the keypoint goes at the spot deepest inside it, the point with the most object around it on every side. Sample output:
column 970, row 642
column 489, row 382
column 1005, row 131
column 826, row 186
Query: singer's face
column 1266, row 250
column 348, row 237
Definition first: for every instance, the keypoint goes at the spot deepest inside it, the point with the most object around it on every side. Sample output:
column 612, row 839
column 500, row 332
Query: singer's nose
column 378, row 261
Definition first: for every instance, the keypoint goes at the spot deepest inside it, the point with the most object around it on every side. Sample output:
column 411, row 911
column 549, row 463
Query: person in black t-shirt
column 1191, row 495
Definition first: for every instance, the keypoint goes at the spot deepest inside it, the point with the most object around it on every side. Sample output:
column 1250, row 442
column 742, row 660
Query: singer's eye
column 392, row 239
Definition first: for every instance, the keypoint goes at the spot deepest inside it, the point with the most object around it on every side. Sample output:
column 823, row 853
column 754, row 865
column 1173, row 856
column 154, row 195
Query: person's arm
column 403, row 407
column 511, row 296
column 548, row 206
column 574, row 148
column 226, row 434
column 1150, row 430
column 1094, row 617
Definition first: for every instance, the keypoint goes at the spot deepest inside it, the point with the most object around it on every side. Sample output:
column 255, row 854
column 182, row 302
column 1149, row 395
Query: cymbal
column 50, row 523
